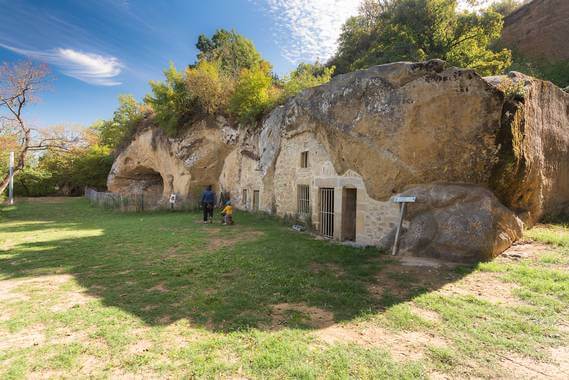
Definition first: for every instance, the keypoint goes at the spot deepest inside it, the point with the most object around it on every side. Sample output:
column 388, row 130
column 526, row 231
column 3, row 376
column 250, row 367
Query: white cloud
column 307, row 30
column 87, row 67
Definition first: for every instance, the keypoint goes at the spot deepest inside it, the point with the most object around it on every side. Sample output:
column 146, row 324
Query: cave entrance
column 143, row 180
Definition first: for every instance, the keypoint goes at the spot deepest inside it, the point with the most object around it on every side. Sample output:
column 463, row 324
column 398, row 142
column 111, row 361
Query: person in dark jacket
column 208, row 202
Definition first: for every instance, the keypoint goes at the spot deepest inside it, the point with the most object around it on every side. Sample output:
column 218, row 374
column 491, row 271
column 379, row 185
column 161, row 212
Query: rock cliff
column 382, row 130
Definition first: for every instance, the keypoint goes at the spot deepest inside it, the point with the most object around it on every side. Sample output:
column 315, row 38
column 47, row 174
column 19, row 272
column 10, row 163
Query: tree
column 19, row 85
column 305, row 76
column 170, row 100
column 125, row 118
column 210, row 88
column 254, row 93
column 416, row 30
column 58, row 171
column 232, row 51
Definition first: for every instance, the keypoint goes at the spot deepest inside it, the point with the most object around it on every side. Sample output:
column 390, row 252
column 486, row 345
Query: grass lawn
column 86, row 292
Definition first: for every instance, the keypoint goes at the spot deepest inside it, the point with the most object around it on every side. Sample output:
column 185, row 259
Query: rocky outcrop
column 379, row 131
column 539, row 30
column 464, row 223
column 155, row 163
column 532, row 173
column 404, row 123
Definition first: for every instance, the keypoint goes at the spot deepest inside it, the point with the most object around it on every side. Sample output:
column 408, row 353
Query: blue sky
column 98, row 49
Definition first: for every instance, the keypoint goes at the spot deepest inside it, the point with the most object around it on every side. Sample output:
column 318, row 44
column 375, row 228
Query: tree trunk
column 21, row 160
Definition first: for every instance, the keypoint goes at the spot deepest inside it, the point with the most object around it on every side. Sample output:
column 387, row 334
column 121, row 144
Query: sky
column 99, row 49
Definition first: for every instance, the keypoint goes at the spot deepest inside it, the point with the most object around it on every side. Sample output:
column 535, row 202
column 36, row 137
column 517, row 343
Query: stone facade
column 373, row 219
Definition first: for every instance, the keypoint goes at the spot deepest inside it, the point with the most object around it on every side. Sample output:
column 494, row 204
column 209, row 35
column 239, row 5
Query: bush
column 170, row 100
column 254, row 93
column 306, row 76
column 209, row 87
column 513, row 90
column 125, row 119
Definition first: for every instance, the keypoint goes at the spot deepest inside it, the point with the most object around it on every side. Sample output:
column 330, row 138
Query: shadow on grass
column 162, row 267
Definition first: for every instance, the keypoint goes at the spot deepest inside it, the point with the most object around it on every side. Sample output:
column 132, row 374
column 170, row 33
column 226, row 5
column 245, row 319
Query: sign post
column 172, row 200
column 402, row 207
column 11, row 183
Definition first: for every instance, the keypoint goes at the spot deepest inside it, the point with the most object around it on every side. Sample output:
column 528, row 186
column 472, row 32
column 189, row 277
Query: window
column 303, row 199
column 304, row 159
column 244, row 198
column 255, row 200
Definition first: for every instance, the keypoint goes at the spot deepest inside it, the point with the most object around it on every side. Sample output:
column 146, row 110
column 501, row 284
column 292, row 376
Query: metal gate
column 327, row 212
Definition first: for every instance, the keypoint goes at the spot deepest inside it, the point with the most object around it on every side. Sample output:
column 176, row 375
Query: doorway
column 349, row 211
column 256, row 197
column 327, row 212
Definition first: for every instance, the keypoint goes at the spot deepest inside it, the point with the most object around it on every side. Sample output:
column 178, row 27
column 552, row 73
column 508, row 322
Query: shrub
column 306, row 76
column 210, row 88
column 113, row 132
column 513, row 90
column 254, row 93
column 170, row 100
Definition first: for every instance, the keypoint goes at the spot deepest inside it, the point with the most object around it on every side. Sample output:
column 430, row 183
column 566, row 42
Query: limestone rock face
column 154, row 163
column 532, row 173
column 463, row 223
column 377, row 132
column 404, row 123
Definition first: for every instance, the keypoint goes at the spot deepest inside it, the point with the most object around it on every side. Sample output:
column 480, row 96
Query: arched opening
column 141, row 180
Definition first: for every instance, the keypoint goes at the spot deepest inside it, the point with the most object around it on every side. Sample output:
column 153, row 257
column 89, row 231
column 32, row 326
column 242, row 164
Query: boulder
column 403, row 123
column 464, row 223
column 531, row 175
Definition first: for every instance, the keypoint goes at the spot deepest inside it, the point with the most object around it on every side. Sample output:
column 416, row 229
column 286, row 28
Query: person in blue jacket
column 208, row 202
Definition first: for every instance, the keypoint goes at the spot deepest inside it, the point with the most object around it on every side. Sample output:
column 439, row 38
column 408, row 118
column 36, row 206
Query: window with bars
column 255, row 200
column 304, row 159
column 303, row 199
column 244, row 198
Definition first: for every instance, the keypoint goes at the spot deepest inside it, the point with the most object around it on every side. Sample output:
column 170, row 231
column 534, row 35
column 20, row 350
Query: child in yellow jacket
column 228, row 213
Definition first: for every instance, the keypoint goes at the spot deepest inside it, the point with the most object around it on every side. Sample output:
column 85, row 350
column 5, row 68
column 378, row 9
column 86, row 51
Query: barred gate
column 327, row 212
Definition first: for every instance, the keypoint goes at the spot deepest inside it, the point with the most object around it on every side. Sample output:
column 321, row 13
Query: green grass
column 102, row 294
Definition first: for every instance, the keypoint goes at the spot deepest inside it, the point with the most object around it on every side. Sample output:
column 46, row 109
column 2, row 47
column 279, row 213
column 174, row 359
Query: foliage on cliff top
column 229, row 77
column 416, row 30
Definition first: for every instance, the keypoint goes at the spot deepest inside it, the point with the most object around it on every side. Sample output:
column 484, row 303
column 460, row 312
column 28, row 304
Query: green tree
column 254, row 93
column 209, row 86
column 232, row 51
column 171, row 100
column 305, row 76
column 125, row 118
column 416, row 30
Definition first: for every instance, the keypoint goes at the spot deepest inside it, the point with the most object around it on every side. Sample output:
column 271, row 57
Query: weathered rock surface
column 539, row 30
column 532, row 173
column 404, row 123
column 381, row 130
column 464, row 223
column 156, row 163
